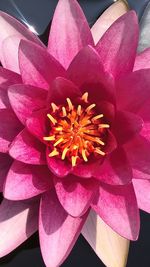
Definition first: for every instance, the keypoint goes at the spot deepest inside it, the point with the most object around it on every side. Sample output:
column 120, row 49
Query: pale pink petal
column 9, row 128
column 58, row 231
column 74, row 194
column 18, row 221
column 113, row 47
column 142, row 60
column 27, row 180
column 133, row 90
column 7, row 78
column 107, row 18
column 5, row 163
column 25, row 99
column 142, row 189
column 69, row 32
column 10, row 27
column 38, row 68
column 27, row 149
column 117, row 206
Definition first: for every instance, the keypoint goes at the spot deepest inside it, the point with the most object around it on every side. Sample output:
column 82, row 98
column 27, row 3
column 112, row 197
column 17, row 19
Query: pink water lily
column 74, row 132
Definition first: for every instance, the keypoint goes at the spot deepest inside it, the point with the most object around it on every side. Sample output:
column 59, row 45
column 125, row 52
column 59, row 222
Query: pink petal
column 114, row 45
column 117, row 206
column 86, row 170
column 75, row 194
column 142, row 189
column 28, row 181
column 142, row 60
column 27, row 149
column 9, row 128
column 7, row 78
column 126, row 126
column 69, row 32
column 5, row 163
column 38, row 68
column 10, row 27
column 115, row 170
column 58, row 230
column 133, row 90
column 90, row 76
column 18, row 221
column 107, row 18
column 61, row 89
column 25, row 99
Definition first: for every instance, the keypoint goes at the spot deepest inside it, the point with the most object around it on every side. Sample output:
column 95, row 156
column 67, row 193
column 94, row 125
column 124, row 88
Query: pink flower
column 74, row 131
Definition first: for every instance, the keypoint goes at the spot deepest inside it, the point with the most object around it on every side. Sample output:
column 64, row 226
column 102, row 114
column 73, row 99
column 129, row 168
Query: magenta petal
column 58, row 231
column 28, row 181
column 133, row 90
column 142, row 189
column 142, row 60
column 18, row 221
column 25, row 99
column 116, row 170
column 126, row 126
column 38, row 68
column 27, row 149
column 7, row 78
column 117, row 206
column 10, row 27
column 9, row 128
column 5, row 163
column 61, row 89
column 75, row 194
column 69, row 32
column 113, row 47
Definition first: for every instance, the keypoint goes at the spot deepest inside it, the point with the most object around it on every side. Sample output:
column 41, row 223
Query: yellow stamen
column 54, row 107
column 59, row 129
column 79, row 110
column 97, row 117
column 53, row 153
column 99, row 141
column 49, row 138
column 98, row 151
column 85, row 97
column 88, row 109
column 74, row 160
column 64, row 153
column 69, row 104
column 52, row 119
column 64, row 113
column 103, row 126
column 84, row 155
column 59, row 141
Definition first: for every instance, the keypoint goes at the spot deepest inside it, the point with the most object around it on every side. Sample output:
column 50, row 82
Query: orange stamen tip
column 97, row 117
column 100, row 152
column 53, row 153
column 89, row 108
column 49, row 138
column 54, row 121
column 104, row 126
column 79, row 110
column 54, row 107
column 99, row 141
column 69, row 104
column 64, row 153
column 74, row 160
column 59, row 141
column 84, row 155
column 64, row 112
column 85, row 97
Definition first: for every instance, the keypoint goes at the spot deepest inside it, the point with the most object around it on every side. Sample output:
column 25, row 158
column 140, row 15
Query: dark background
column 38, row 14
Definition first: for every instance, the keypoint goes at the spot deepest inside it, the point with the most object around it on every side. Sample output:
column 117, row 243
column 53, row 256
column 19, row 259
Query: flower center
column 76, row 131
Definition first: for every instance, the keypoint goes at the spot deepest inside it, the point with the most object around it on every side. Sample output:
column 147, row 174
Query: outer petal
column 58, row 231
column 28, row 181
column 38, row 68
column 7, row 78
column 9, row 128
column 113, row 47
column 75, row 194
column 75, row 33
column 18, row 221
column 5, row 163
column 110, row 247
column 10, row 27
column 25, row 99
column 142, row 189
column 27, row 149
column 117, row 206
column 107, row 18
column 133, row 90
column 142, row 60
